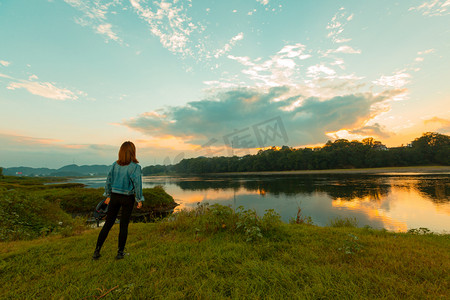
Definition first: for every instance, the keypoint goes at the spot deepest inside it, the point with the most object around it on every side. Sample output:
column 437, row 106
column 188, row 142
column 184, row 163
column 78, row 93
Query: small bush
column 203, row 219
column 209, row 219
column 156, row 196
column 343, row 222
column 249, row 224
column 27, row 216
column 420, row 231
column 300, row 219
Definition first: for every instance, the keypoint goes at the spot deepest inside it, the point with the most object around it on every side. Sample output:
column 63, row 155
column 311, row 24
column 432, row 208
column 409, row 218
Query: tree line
column 430, row 148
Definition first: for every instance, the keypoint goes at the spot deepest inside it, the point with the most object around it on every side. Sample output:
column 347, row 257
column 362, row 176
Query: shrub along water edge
column 30, row 209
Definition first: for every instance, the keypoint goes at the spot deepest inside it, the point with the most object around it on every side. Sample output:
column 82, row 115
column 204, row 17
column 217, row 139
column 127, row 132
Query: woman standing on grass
column 123, row 187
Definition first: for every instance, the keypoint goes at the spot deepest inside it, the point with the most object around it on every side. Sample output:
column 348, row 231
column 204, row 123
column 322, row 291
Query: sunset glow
column 180, row 77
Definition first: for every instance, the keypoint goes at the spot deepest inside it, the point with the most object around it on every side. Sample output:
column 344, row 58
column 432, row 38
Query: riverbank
column 185, row 258
column 33, row 207
column 389, row 170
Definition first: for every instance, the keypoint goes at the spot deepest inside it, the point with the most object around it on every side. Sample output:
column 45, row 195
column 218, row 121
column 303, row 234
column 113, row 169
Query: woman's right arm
column 137, row 182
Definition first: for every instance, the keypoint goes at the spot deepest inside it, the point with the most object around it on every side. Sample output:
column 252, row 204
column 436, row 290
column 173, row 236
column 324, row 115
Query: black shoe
column 96, row 254
column 121, row 254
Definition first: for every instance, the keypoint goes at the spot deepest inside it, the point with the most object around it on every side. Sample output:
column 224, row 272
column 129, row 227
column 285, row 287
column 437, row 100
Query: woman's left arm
column 108, row 184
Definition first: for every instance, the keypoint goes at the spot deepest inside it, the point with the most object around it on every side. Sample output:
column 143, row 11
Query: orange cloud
column 437, row 120
column 75, row 146
column 169, row 142
column 34, row 141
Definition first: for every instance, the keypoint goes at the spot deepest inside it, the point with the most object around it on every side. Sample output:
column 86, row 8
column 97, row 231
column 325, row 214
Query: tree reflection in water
column 381, row 201
column 343, row 187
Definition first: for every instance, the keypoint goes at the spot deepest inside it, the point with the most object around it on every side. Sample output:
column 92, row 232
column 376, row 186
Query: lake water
column 392, row 201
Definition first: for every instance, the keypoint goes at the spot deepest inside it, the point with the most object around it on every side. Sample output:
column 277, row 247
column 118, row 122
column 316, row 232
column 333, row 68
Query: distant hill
column 26, row 171
column 69, row 170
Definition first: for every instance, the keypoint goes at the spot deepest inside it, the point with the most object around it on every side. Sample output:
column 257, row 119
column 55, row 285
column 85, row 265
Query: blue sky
column 184, row 78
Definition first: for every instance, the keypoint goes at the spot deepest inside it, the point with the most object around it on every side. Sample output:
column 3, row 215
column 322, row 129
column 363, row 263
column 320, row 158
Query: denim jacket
column 125, row 180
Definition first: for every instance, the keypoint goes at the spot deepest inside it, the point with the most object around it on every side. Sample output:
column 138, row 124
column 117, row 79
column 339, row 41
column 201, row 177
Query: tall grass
column 208, row 219
column 343, row 222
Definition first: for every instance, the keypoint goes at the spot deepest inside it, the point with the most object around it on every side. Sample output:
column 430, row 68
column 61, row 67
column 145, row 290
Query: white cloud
column 170, row 24
column 422, row 53
column 106, row 29
column 5, row 76
column 344, row 49
column 279, row 69
column 337, row 24
column 287, row 68
column 398, row 80
column 342, row 40
column 244, row 60
column 238, row 37
column 4, row 63
column 95, row 16
column 337, row 62
column 221, row 84
column 314, row 71
column 425, row 52
column 169, row 21
column 228, row 46
column 44, row 89
column 292, row 51
column 288, row 63
column 433, row 8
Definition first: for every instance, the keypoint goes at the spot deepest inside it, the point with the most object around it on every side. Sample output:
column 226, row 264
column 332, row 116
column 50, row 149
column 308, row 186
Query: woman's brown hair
column 127, row 154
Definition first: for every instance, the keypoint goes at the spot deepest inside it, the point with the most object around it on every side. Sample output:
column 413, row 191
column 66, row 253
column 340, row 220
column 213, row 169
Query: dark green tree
column 432, row 147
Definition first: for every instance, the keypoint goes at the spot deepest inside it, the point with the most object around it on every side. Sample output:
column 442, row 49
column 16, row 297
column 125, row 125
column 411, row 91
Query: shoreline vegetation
column 385, row 170
column 34, row 207
column 429, row 149
column 212, row 252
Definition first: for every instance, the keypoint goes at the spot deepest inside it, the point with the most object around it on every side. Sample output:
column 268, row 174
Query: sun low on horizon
column 185, row 78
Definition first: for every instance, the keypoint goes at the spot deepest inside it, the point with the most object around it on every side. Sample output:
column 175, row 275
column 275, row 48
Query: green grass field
column 215, row 253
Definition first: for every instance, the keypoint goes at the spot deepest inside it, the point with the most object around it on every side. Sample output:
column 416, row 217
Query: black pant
column 117, row 201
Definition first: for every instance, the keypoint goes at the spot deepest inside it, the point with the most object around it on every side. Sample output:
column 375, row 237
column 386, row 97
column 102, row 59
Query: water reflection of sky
column 397, row 203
